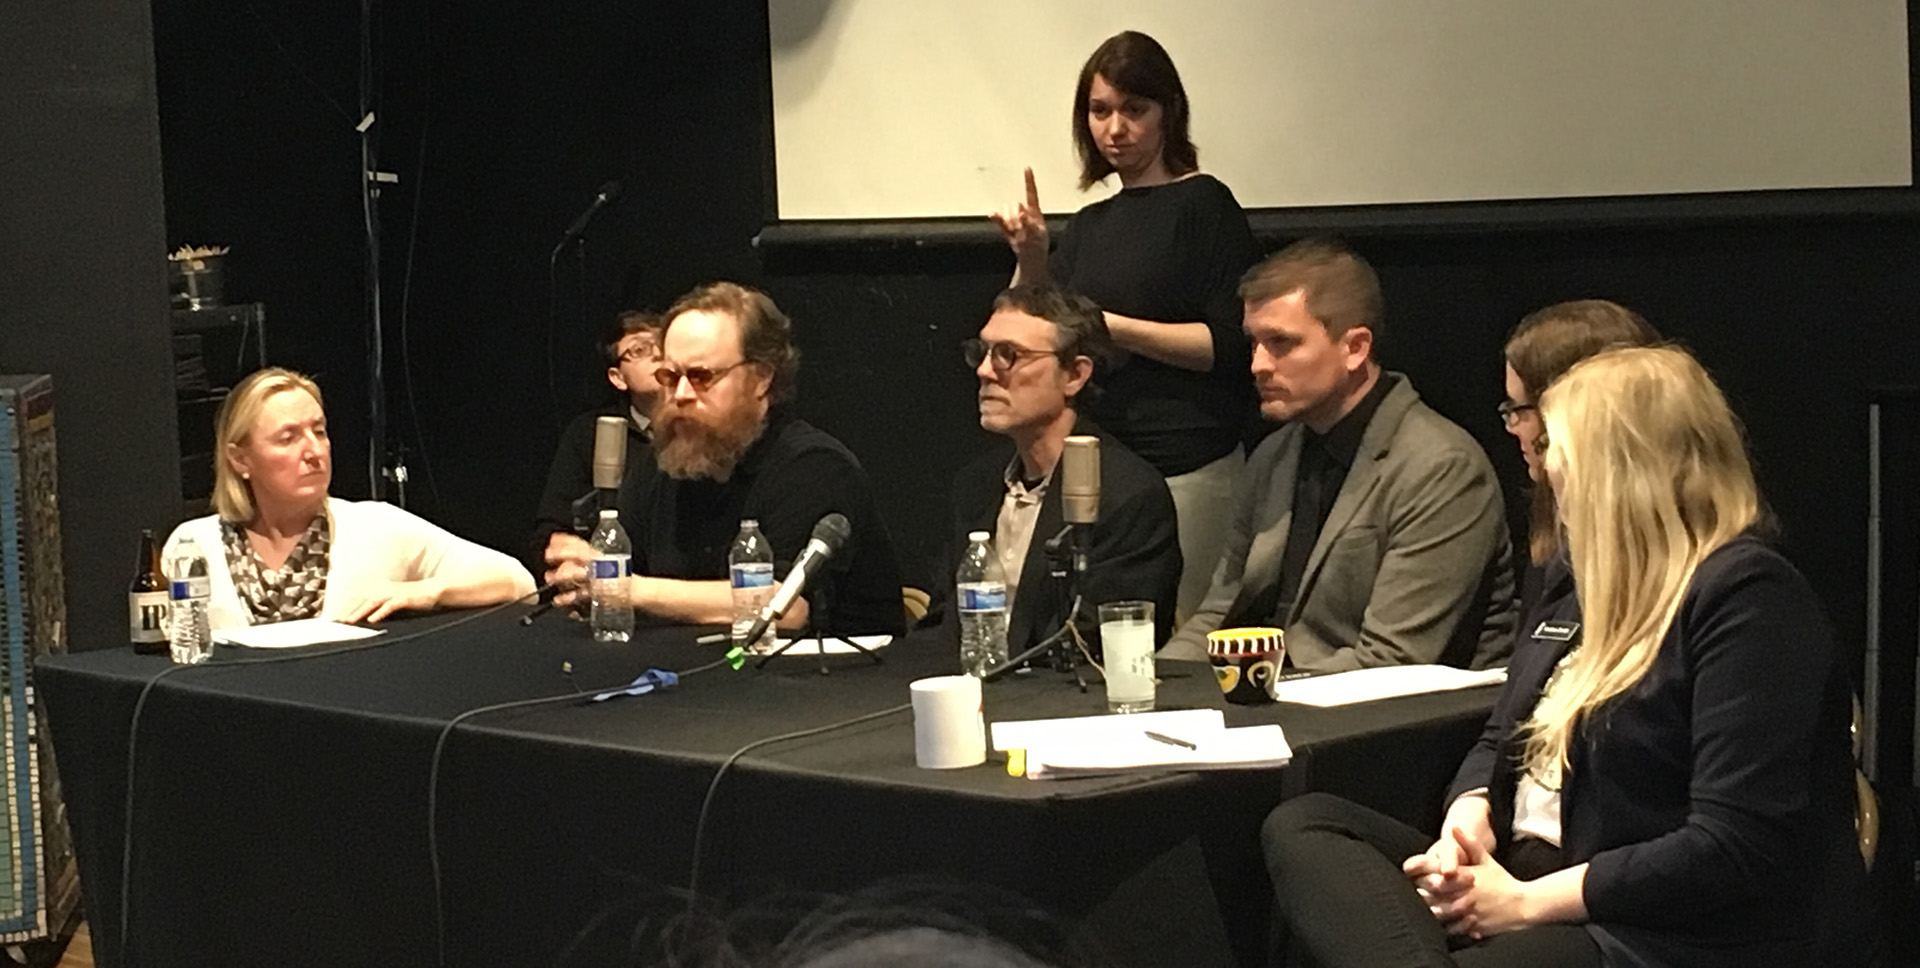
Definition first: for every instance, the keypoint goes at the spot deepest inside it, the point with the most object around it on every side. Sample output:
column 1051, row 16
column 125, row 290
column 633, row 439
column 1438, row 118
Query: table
column 280, row 810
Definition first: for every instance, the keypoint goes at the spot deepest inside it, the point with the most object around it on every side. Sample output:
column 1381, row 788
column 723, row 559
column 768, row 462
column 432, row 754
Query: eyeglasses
column 698, row 377
column 642, row 351
column 1511, row 412
column 1005, row 355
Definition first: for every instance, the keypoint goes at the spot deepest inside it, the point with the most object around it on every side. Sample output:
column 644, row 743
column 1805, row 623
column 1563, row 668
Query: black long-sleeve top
column 1171, row 253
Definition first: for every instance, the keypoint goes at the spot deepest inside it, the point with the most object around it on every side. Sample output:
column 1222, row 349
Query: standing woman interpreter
column 1163, row 259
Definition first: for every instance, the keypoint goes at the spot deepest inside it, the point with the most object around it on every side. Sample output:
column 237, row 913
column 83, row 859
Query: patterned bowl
column 1246, row 661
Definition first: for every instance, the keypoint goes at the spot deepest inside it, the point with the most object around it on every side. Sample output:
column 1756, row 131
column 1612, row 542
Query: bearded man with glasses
column 1036, row 359
column 729, row 448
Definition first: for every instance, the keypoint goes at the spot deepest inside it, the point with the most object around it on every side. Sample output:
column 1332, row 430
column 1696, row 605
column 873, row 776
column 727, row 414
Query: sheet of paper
column 1246, row 747
column 1366, row 685
column 1026, row 734
column 837, row 647
column 287, row 635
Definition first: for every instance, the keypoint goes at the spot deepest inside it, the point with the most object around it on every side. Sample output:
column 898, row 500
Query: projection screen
column 927, row 108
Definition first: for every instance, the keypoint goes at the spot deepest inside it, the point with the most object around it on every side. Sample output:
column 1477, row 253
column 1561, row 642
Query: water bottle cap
column 749, row 524
column 978, row 536
column 609, row 514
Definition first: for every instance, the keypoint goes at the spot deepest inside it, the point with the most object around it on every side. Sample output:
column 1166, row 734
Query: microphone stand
column 815, row 629
column 1066, row 563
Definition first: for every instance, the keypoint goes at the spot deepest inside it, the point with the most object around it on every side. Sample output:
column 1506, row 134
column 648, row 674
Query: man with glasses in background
column 632, row 352
column 728, row 448
column 1035, row 359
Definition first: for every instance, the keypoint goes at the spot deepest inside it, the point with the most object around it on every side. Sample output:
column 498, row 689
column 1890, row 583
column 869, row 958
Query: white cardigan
column 372, row 542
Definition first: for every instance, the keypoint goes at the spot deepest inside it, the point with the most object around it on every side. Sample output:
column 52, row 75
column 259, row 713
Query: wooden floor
column 79, row 950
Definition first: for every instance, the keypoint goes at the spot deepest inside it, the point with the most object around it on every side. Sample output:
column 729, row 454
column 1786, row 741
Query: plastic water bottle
column 608, row 589
column 188, row 590
column 981, row 595
column 750, row 566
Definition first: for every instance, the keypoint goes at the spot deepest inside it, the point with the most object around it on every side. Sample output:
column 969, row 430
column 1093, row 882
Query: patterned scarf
column 295, row 590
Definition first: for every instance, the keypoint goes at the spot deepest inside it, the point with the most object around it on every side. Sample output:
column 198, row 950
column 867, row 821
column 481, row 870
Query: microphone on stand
column 1080, row 492
column 609, row 467
column 608, row 194
column 832, row 532
column 609, row 459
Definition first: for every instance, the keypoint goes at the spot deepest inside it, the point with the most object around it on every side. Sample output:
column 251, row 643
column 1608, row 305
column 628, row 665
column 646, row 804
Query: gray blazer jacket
column 1414, row 564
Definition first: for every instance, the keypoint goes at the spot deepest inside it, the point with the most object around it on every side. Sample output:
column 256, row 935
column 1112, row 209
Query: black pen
column 1170, row 740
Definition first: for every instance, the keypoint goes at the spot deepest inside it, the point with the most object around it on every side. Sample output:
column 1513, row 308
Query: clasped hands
column 1461, row 883
column 567, row 557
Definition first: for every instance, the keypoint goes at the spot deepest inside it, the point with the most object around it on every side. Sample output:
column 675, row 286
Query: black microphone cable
column 146, row 690
column 1067, row 628
column 713, row 787
column 433, row 784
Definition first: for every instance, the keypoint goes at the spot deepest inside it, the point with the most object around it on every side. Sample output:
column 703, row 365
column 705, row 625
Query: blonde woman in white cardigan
column 278, row 548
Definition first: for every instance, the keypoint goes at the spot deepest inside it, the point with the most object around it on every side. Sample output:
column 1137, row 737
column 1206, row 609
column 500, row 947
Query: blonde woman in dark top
column 1163, row 258
column 1677, row 790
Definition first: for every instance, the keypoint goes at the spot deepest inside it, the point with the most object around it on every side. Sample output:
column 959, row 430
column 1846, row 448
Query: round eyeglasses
column 1510, row 412
column 698, row 377
column 1005, row 356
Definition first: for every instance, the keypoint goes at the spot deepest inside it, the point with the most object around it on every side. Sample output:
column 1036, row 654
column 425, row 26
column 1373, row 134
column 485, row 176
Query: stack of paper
column 1188, row 739
column 1387, row 682
column 288, row 635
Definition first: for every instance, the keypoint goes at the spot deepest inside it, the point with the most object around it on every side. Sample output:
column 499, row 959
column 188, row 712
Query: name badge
column 1557, row 631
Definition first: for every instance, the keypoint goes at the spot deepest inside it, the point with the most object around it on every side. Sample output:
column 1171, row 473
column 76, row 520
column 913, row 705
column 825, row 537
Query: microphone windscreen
column 1080, row 480
column 609, row 452
column 610, row 192
column 833, row 530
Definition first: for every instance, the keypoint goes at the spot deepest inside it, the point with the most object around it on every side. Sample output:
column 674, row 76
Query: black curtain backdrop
column 83, row 282
column 502, row 119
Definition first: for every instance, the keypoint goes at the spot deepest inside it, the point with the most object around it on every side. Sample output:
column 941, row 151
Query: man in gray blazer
column 1369, row 527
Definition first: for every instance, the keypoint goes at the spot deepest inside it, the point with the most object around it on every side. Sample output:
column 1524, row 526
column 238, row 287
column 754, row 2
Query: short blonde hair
column 232, row 496
column 1654, row 477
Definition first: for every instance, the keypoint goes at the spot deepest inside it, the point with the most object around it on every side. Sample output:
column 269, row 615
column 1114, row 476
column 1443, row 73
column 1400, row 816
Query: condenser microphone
column 828, row 536
column 609, row 452
column 1080, row 480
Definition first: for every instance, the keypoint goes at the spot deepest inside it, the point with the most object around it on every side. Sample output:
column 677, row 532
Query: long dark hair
column 1546, row 344
column 1135, row 64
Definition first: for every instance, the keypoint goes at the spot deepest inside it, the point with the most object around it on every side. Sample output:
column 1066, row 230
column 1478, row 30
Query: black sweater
column 1172, row 253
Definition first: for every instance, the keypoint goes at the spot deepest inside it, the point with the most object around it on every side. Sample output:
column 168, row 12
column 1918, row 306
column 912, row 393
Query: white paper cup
column 949, row 730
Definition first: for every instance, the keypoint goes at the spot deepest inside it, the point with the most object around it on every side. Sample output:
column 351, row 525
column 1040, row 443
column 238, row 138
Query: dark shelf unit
column 213, row 349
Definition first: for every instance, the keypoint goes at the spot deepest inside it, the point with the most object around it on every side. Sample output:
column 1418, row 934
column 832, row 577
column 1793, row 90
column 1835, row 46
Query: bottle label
column 753, row 574
column 197, row 587
column 985, row 596
column 147, row 616
column 611, row 566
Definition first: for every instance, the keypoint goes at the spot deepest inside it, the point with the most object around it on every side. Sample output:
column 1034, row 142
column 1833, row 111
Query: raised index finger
column 1033, row 193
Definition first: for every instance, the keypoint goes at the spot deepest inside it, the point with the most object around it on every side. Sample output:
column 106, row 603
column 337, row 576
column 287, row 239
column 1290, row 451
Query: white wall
column 898, row 108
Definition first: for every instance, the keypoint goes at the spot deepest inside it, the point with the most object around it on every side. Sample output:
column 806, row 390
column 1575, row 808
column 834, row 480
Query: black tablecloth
column 280, row 810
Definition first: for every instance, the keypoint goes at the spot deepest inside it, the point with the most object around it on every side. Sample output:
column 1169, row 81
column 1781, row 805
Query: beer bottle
column 147, row 600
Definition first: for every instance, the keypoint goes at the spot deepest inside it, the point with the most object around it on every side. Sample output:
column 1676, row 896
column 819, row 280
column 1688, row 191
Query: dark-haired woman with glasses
column 1162, row 258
